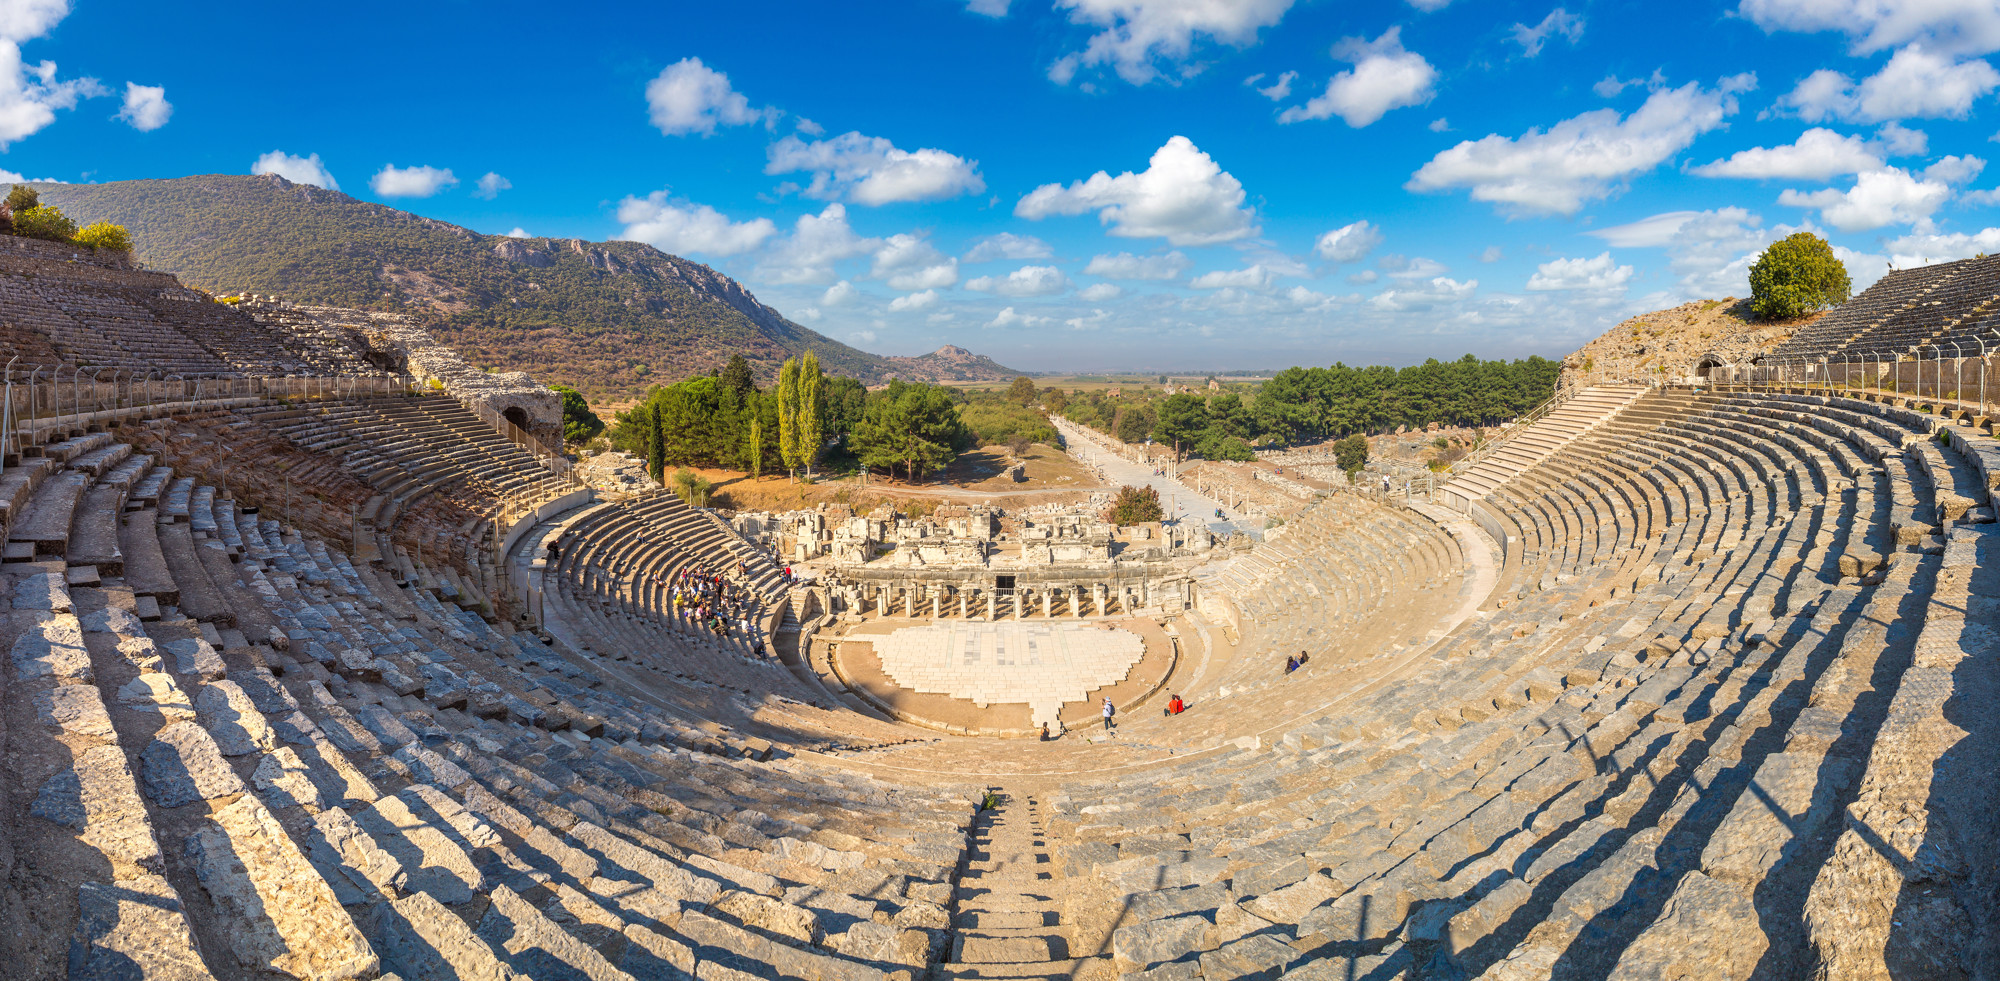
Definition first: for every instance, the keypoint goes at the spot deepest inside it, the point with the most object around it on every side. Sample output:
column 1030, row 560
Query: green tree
column 1218, row 445
column 1134, row 423
column 656, row 445
column 914, row 426
column 788, row 415
column 580, row 425
column 44, row 222
column 1797, row 275
column 1054, row 399
column 1351, row 454
column 756, row 446
column 1135, row 505
column 811, row 391
column 691, row 487
column 1181, row 420
column 105, row 235
column 736, row 378
column 22, row 197
column 1022, row 391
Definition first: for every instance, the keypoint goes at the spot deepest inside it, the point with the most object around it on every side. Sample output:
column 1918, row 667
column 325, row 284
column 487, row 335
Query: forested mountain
column 611, row 318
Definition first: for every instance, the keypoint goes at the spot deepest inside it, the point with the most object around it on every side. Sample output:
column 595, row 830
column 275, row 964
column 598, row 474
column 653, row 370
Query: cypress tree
column 788, row 415
column 656, row 446
column 756, row 442
column 810, row 405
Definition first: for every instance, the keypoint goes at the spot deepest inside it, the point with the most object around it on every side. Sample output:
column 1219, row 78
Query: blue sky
column 1188, row 184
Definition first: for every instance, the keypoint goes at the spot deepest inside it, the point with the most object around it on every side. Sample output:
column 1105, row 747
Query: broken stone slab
column 420, row 940
column 97, row 796
column 285, row 781
column 133, row 928
column 182, row 765
column 1142, row 946
column 50, row 646
column 195, row 656
column 770, row 916
column 358, row 869
column 434, row 863
column 232, row 719
column 1709, row 929
column 41, row 591
column 156, row 692
column 281, row 913
column 74, row 709
column 533, row 945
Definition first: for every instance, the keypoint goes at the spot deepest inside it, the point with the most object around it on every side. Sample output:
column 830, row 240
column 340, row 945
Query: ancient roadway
column 1175, row 498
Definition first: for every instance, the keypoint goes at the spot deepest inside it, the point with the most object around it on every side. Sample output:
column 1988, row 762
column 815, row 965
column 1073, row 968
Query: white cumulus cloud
column 915, row 301
column 1182, row 196
column 491, row 185
column 1915, row 84
column 299, row 170
column 1884, row 197
column 1277, row 91
column 684, row 227
column 837, row 294
column 1125, row 265
column 30, row 93
column 1025, row 281
column 1580, row 159
column 871, row 170
column 1922, row 250
column 1600, row 273
column 1559, row 23
column 1818, row 154
column 1384, row 77
column 410, row 182
column 1008, row 318
column 1008, row 245
column 817, row 242
column 1253, row 277
column 1438, row 292
column 908, row 262
column 1958, row 26
column 519, row 232
column 1099, row 292
column 146, row 107
column 1348, row 242
column 1137, row 37
column 690, row 97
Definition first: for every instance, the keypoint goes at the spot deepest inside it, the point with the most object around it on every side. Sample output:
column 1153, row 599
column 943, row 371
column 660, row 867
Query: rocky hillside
column 612, row 318
column 1673, row 341
column 952, row 363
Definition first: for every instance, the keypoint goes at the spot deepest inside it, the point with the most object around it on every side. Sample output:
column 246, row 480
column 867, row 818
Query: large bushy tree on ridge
column 1797, row 275
column 913, row 426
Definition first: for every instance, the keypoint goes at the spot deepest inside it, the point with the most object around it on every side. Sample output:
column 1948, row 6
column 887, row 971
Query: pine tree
column 656, row 446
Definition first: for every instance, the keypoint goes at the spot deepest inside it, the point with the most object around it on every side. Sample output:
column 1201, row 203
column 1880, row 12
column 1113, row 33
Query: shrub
column 1352, row 454
column 692, row 487
column 105, row 235
column 580, row 424
column 44, row 222
column 1216, row 446
column 1796, row 276
column 21, row 198
column 1135, row 505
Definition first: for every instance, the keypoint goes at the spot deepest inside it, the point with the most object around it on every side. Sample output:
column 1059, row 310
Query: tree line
column 1302, row 405
column 725, row 420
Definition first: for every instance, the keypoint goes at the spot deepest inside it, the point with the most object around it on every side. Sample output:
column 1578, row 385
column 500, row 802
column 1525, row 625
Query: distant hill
column 951, row 363
column 612, row 318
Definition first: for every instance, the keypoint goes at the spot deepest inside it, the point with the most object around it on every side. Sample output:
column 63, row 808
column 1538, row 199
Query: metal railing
column 1930, row 372
column 1564, row 392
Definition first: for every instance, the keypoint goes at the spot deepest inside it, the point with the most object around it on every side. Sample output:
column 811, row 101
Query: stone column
column 1077, row 595
column 1098, row 593
column 937, row 601
column 992, row 605
column 1048, row 603
column 961, row 602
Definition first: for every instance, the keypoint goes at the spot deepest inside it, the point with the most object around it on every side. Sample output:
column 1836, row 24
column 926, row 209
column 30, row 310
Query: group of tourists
column 708, row 600
column 1294, row 663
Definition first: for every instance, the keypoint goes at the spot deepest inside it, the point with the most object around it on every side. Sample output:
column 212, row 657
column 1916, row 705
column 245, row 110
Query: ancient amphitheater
column 1672, row 682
